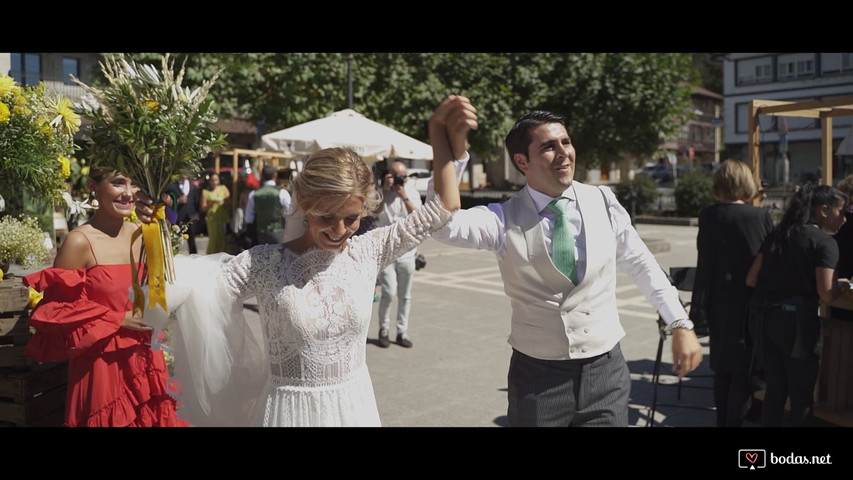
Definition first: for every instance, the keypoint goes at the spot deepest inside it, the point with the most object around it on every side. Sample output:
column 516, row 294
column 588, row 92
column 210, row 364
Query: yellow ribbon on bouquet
column 158, row 253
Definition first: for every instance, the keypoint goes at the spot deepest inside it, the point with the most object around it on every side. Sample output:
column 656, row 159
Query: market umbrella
column 347, row 128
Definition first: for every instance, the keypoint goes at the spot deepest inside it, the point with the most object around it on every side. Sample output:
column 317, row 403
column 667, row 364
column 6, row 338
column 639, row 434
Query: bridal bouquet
column 150, row 128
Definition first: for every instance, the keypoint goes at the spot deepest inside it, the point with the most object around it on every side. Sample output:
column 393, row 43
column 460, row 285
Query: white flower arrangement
column 22, row 241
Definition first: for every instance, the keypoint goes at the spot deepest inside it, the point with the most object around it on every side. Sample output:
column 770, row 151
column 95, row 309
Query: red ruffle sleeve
column 66, row 320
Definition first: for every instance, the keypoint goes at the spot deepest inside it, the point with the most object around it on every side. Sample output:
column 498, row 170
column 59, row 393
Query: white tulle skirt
column 220, row 369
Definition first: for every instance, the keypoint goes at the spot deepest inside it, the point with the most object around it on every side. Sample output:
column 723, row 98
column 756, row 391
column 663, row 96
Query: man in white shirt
column 400, row 197
column 567, row 367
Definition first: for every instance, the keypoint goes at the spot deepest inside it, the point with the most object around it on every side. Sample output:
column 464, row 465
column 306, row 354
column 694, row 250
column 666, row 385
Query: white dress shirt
column 483, row 227
column 394, row 208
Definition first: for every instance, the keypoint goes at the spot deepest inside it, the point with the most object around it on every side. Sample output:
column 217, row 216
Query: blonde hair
column 330, row 177
column 733, row 181
column 846, row 185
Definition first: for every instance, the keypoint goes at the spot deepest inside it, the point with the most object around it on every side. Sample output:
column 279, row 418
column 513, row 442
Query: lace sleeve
column 394, row 240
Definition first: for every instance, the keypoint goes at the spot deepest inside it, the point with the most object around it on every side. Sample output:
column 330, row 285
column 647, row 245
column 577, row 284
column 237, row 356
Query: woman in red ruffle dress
column 115, row 379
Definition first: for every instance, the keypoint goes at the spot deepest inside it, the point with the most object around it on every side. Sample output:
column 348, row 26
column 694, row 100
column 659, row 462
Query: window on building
column 835, row 63
column 25, row 68
column 70, row 66
column 754, row 70
column 793, row 66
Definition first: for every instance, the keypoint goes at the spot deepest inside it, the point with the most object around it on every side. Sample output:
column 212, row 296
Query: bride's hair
column 330, row 177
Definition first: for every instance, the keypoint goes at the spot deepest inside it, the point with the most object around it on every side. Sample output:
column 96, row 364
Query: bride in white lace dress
column 314, row 295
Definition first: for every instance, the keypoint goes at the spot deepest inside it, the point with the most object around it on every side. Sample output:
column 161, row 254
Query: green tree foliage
column 615, row 103
column 693, row 192
column 645, row 194
column 620, row 103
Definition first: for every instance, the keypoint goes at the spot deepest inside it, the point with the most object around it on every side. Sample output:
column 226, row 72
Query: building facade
column 53, row 69
column 790, row 147
column 699, row 140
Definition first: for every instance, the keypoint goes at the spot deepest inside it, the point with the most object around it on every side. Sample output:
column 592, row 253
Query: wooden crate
column 13, row 297
column 835, row 385
column 14, row 331
column 34, row 396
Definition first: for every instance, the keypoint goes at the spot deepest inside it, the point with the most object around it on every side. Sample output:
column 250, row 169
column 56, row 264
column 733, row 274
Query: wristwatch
column 684, row 323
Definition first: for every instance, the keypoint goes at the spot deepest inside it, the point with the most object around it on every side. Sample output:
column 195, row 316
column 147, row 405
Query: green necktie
column 562, row 242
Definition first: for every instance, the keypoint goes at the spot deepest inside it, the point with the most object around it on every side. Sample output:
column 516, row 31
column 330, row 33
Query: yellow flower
column 46, row 130
column 4, row 113
column 84, row 171
column 66, row 167
column 20, row 110
column 67, row 120
column 133, row 218
column 6, row 84
column 152, row 105
column 34, row 298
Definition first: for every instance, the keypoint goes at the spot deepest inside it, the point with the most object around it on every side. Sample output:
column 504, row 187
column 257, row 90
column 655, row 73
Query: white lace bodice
column 315, row 307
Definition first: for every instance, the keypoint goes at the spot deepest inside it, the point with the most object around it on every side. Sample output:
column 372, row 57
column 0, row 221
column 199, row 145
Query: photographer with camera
column 399, row 199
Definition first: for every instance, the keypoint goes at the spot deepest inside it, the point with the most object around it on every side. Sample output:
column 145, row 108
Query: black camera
column 399, row 179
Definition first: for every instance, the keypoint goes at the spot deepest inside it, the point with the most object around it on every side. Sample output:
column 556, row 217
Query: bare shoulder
column 129, row 227
column 76, row 251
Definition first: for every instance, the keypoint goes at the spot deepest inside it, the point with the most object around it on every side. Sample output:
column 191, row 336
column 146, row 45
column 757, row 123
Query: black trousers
column 732, row 396
column 589, row 392
column 791, row 363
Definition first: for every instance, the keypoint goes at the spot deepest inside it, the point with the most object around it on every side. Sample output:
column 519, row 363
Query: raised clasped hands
column 457, row 116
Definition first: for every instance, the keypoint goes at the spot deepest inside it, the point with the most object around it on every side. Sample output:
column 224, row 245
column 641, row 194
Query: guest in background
column 244, row 240
column 730, row 233
column 217, row 213
column 188, row 207
column 844, row 239
column 266, row 207
column 400, row 198
column 762, row 193
column 793, row 272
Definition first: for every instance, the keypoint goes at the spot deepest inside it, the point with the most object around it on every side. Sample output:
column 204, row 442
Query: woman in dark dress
column 793, row 272
column 844, row 238
column 730, row 233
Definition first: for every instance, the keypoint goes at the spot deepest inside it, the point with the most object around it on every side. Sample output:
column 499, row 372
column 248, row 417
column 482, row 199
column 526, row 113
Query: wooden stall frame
column 826, row 110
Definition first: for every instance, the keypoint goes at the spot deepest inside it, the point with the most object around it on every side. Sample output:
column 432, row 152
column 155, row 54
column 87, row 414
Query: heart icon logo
column 752, row 457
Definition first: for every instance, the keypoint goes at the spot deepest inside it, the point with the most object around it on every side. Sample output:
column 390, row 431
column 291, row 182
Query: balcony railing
column 73, row 92
column 54, row 85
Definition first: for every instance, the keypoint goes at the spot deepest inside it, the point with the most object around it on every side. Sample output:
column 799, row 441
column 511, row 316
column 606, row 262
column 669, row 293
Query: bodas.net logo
column 751, row 458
